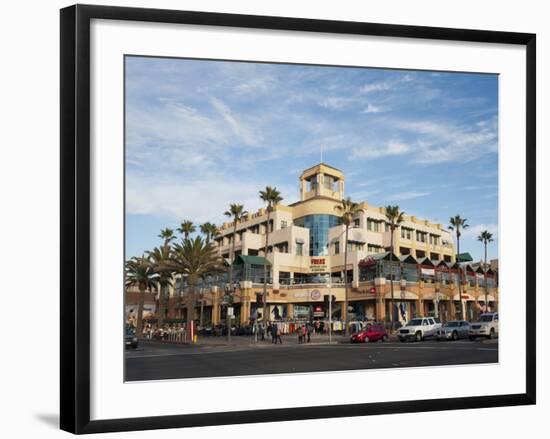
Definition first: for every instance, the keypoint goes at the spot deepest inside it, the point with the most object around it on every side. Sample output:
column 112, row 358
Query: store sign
column 315, row 295
column 301, row 311
column 366, row 262
column 372, row 290
column 428, row 271
column 318, row 265
column 318, row 311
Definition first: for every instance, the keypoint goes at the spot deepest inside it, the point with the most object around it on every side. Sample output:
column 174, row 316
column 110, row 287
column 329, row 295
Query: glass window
column 337, row 247
column 299, row 248
column 318, row 226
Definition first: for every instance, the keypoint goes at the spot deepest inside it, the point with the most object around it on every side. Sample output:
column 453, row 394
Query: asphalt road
column 162, row 361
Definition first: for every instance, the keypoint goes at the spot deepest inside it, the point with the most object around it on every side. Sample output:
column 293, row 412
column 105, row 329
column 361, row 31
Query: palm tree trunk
column 345, row 310
column 162, row 305
column 486, row 286
column 264, row 296
column 139, row 320
column 459, row 276
column 391, row 280
column 201, row 316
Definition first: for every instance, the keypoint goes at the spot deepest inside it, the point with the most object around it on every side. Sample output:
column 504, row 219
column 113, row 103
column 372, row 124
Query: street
column 156, row 360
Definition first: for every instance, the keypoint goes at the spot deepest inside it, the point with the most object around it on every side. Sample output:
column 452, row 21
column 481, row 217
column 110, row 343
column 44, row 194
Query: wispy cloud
column 407, row 195
column 385, row 85
column 391, row 148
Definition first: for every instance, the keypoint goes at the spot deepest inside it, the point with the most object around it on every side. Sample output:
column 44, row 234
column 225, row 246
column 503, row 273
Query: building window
column 318, row 225
column 406, row 233
column 337, row 247
column 299, row 248
column 420, row 254
column 356, row 222
column 387, row 227
column 434, row 256
column 420, row 236
column 373, row 225
column 434, row 239
column 284, row 224
column 447, row 258
column 404, row 250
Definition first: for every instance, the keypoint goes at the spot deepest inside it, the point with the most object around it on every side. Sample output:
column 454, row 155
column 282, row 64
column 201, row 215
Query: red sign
column 372, row 290
column 316, row 261
column 367, row 261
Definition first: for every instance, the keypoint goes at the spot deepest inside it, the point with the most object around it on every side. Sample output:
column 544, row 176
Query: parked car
column 372, row 332
column 453, row 330
column 418, row 329
column 486, row 326
column 130, row 338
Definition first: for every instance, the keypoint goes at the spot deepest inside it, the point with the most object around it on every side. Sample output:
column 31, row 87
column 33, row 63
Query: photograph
column 296, row 218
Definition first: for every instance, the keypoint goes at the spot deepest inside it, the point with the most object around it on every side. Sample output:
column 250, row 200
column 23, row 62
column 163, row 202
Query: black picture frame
column 75, row 217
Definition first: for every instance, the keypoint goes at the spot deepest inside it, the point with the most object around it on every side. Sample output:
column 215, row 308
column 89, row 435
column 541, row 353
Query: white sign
column 230, row 311
column 428, row 271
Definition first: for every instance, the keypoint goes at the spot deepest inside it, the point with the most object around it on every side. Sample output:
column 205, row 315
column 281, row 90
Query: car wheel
column 402, row 339
column 418, row 336
column 491, row 334
column 455, row 336
column 385, row 338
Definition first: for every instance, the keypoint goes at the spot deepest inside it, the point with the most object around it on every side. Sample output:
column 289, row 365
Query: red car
column 373, row 332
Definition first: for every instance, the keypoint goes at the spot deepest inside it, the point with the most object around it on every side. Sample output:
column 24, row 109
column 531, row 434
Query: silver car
column 453, row 330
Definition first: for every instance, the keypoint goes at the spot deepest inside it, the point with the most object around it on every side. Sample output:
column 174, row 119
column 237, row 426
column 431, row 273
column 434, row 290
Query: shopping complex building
column 305, row 259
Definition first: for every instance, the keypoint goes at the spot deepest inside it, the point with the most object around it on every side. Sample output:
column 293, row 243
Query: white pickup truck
column 418, row 329
column 486, row 326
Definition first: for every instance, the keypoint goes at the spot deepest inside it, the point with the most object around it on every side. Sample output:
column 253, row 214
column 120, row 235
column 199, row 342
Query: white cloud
column 336, row 102
column 242, row 130
column 384, row 85
column 200, row 201
column 440, row 142
column 372, row 109
column 474, row 230
column 408, row 195
column 391, row 148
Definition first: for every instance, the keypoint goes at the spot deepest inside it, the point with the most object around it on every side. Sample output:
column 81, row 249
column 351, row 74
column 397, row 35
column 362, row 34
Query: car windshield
column 451, row 324
column 485, row 318
column 414, row 322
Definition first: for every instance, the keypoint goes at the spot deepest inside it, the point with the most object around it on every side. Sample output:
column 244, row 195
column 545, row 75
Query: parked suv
column 418, row 329
column 486, row 326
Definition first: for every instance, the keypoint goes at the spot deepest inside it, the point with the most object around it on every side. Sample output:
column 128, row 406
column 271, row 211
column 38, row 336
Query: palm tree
column 458, row 223
column 186, row 228
column 485, row 237
column 272, row 197
column 209, row 230
column 167, row 234
column 236, row 212
column 348, row 210
column 139, row 272
column 395, row 218
column 195, row 259
column 161, row 262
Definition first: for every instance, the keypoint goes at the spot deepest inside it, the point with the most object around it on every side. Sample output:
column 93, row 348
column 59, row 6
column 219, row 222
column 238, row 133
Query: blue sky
column 202, row 134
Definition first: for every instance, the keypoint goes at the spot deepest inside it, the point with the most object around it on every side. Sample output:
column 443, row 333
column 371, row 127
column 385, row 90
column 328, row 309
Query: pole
column 329, row 311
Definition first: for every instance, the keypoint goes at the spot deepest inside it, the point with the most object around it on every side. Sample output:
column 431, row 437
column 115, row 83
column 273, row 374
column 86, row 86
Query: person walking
column 262, row 332
column 300, row 335
column 273, row 333
column 308, row 332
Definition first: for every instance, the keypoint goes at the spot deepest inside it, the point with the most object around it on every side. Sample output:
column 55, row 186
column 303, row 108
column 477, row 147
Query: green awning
column 251, row 260
column 464, row 257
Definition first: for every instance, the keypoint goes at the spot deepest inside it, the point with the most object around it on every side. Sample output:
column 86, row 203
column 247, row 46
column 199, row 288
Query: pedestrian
column 308, row 332
column 262, row 332
column 273, row 333
column 278, row 336
column 300, row 336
